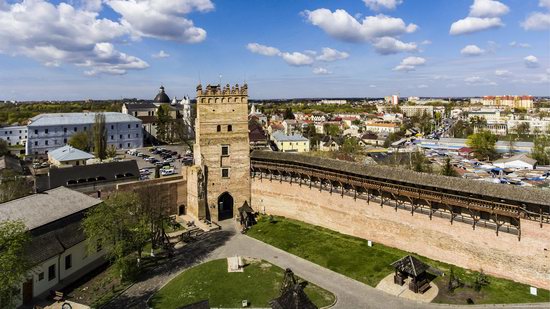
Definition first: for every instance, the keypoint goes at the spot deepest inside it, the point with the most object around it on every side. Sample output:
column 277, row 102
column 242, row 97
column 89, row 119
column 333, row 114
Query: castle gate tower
column 219, row 183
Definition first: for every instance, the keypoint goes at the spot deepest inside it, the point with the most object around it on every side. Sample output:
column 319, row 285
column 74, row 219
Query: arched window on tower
column 229, row 128
column 218, row 128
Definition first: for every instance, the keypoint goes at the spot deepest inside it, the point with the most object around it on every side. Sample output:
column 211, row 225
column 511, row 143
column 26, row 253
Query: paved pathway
column 350, row 293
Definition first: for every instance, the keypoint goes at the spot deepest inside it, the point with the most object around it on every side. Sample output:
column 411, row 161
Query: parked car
column 145, row 171
column 169, row 160
column 167, row 172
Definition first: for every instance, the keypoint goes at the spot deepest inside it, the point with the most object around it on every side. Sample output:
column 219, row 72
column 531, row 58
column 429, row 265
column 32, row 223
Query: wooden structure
column 292, row 294
column 483, row 204
column 410, row 266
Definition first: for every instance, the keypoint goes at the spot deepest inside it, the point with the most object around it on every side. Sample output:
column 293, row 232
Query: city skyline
column 63, row 50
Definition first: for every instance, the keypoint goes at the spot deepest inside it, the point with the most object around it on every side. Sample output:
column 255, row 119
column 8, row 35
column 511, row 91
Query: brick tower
column 219, row 182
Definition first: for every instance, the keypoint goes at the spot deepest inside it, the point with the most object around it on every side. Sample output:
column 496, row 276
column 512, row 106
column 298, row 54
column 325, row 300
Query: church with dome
column 180, row 116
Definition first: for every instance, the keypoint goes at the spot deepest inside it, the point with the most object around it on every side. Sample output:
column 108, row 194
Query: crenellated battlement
column 217, row 90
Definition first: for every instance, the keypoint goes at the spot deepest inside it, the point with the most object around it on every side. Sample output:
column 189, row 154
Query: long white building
column 47, row 132
column 14, row 135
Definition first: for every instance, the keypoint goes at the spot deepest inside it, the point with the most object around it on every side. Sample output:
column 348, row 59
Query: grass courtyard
column 259, row 283
column 352, row 257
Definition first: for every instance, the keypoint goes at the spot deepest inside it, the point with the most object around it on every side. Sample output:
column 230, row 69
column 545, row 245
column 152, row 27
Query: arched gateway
column 225, row 206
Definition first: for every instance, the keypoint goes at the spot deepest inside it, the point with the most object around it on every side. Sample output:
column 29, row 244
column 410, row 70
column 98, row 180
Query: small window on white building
column 51, row 272
column 41, row 276
column 68, row 261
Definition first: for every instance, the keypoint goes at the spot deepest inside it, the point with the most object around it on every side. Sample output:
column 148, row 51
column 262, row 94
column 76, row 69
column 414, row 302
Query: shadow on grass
column 184, row 257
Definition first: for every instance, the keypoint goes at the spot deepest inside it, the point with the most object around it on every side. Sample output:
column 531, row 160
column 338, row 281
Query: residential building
column 291, row 125
column 257, row 136
column 318, row 117
column 290, row 143
column 380, row 127
column 392, row 100
column 536, row 125
column 58, row 250
column 417, row 110
column 68, row 156
column 47, row 132
column 525, row 101
column 330, row 143
column 337, row 102
column 491, row 115
column 521, row 161
column 14, row 135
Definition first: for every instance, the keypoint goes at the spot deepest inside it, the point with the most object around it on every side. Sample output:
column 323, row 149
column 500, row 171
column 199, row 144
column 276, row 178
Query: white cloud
column 410, row 64
column 426, row 42
column 389, row 45
column 544, row 4
column 422, row 86
column 531, row 61
column 341, row 25
column 372, row 86
column 474, row 24
column 377, row 5
column 305, row 58
column 472, row 50
column 479, row 81
column 321, row 71
column 58, row 34
column 161, row 54
column 329, row 54
column 503, row 73
column 110, row 61
column 522, row 45
column 263, row 49
column 162, row 19
column 537, row 21
column 297, row 59
column 488, row 8
column 484, row 14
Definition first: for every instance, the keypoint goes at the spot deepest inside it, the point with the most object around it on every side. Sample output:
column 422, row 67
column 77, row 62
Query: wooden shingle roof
column 407, row 177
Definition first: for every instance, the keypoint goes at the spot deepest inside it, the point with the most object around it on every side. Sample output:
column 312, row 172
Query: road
column 227, row 242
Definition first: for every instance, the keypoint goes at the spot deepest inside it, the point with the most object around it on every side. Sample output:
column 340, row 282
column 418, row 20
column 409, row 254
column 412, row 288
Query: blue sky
column 101, row 49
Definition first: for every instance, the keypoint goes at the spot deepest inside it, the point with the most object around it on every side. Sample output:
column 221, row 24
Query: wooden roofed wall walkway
column 475, row 210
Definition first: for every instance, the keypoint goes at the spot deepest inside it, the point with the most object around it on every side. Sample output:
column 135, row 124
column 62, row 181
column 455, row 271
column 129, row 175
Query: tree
column 4, row 149
column 541, row 149
column 419, row 163
column 332, row 129
column 480, row 280
column 522, row 129
column 511, row 144
column 448, row 169
column 81, row 141
column 120, row 227
column 13, row 239
column 350, row 146
column 288, row 113
column 483, row 145
column 110, row 152
column 13, row 186
column 163, row 122
column 100, row 136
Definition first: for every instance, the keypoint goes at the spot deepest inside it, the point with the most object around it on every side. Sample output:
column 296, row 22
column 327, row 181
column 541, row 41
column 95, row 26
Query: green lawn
column 352, row 257
column 259, row 283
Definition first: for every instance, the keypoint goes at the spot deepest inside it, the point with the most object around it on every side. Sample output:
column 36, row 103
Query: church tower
column 219, row 182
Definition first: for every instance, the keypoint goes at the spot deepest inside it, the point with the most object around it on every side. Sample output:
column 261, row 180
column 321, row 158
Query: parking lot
column 169, row 158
